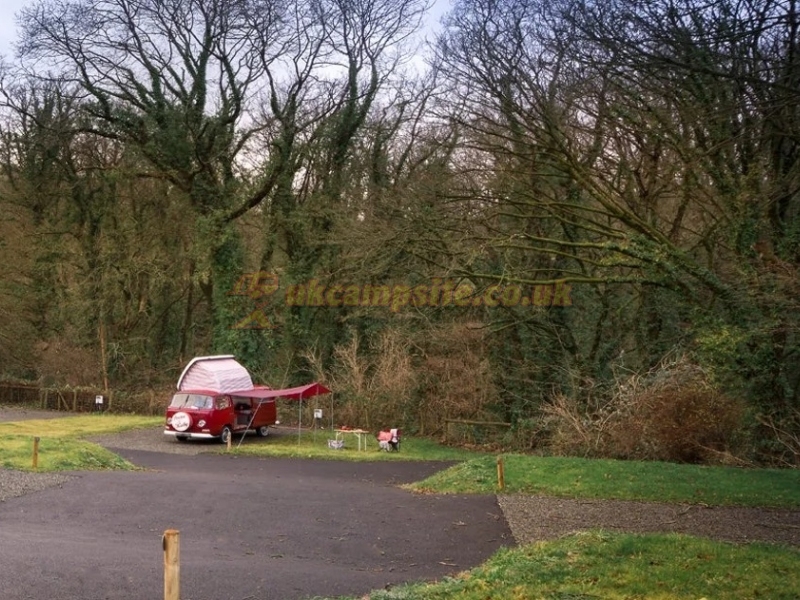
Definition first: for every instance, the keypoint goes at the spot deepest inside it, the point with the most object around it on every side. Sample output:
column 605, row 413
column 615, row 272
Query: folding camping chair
column 389, row 440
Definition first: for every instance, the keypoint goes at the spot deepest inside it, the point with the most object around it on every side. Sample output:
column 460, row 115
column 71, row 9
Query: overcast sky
column 8, row 23
column 10, row 8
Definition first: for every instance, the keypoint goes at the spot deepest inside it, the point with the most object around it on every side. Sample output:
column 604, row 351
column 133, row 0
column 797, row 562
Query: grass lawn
column 311, row 444
column 61, row 443
column 78, row 425
column 623, row 480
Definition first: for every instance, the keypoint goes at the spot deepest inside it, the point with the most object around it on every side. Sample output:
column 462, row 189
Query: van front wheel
column 225, row 435
column 262, row 431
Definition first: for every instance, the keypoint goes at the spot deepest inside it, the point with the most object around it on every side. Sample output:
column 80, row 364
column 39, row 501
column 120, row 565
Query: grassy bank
column 622, row 480
column 61, row 446
column 596, row 565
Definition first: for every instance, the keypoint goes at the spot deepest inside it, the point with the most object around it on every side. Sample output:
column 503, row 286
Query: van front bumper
column 189, row 434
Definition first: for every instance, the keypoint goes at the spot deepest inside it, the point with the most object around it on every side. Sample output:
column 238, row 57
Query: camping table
column 360, row 434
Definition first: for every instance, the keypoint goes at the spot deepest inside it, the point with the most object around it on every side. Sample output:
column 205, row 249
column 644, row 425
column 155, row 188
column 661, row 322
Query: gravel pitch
column 536, row 518
column 153, row 440
column 19, row 483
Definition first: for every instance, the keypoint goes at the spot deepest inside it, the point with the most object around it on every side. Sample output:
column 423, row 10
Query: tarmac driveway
column 250, row 529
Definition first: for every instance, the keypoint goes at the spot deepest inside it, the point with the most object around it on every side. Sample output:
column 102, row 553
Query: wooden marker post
column 36, row 452
column 172, row 564
column 501, row 475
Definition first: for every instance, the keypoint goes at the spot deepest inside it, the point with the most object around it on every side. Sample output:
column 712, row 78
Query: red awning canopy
column 296, row 393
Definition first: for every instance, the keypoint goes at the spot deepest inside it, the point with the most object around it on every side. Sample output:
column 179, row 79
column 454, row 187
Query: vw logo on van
column 181, row 421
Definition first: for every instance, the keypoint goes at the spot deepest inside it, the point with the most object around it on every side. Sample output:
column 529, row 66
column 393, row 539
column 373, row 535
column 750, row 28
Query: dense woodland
column 172, row 169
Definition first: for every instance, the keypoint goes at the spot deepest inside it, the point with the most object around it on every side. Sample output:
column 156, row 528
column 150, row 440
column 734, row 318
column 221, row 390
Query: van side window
column 242, row 403
column 223, row 402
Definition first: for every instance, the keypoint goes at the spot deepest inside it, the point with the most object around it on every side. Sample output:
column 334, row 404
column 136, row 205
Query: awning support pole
column 299, row 419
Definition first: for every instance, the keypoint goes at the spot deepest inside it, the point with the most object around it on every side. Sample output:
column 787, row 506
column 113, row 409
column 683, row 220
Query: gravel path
column 530, row 518
column 535, row 518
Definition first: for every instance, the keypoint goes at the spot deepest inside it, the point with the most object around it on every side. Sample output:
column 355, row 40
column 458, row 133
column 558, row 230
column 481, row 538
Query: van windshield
column 191, row 401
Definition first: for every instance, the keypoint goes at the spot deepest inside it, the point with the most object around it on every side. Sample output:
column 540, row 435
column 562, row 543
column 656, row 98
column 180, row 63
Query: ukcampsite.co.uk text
column 439, row 292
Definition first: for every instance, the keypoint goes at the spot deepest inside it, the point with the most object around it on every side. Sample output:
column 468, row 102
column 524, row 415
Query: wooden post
column 36, row 452
column 172, row 564
column 501, row 475
column 230, row 440
column 103, row 357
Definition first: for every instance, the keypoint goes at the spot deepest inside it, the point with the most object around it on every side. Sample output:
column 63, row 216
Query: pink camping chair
column 389, row 440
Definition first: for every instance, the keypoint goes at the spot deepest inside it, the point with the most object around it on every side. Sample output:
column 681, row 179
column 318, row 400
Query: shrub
column 689, row 423
column 374, row 388
column 672, row 413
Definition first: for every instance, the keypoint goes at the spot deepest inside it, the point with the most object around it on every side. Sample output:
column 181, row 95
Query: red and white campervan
column 215, row 399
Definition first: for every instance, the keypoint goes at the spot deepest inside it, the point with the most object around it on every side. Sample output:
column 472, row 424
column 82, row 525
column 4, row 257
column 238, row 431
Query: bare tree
column 238, row 105
column 632, row 144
